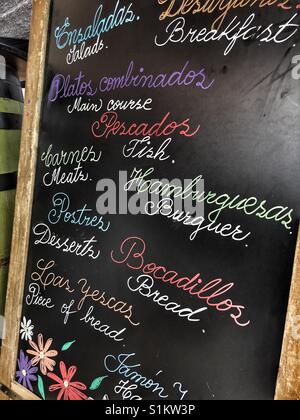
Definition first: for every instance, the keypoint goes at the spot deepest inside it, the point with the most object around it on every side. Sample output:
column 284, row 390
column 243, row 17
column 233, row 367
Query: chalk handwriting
column 143, row 148
column 109, row 126
column 131, row 253
column 119, row 364
column 66, row 310
column 58, row 177
column 64, row 87
column 100, row 327
column 73, row 157
column 185, row 76
column 84, row 248
column 68, row 86
column 79, row 106
column 58, row 160
column 84, row 51
column 126, row 390
column 144, row 286
column 177, row 32
column 181, row 390
column 165, row 207
column 222, row 8
column 60, row 212
column 35, row 298
column 46, row 278
column 130, row 104
column 249, row 206
column 111, row 303
column 66, row 36
column 128, row 198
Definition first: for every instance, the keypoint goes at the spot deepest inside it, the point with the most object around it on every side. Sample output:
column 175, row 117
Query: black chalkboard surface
column 166, row 201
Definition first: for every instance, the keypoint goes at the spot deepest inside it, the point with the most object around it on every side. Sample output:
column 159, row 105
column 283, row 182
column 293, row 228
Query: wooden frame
column 25, row 190
column 288, row 383
column 3, row 397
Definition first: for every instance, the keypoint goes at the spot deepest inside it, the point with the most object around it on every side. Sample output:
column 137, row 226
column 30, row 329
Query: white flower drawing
column 27, row 328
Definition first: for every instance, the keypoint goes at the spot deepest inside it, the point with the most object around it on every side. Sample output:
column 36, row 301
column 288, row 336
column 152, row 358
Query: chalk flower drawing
column 43, row 355
column 68, row 390
column 26, row 373
column 27, row 328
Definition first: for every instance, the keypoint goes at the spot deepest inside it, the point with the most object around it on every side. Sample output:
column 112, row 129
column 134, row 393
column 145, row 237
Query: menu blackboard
column 166, row 201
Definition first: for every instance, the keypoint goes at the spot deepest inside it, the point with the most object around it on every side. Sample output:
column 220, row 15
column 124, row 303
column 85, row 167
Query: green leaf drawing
column 97, row 383
column 67, row 346
column 41, row 387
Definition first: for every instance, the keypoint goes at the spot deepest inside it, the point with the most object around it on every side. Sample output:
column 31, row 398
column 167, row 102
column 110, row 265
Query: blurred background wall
column 15, row 18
